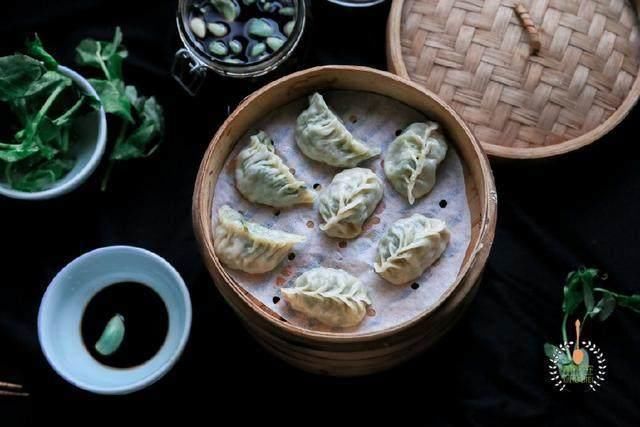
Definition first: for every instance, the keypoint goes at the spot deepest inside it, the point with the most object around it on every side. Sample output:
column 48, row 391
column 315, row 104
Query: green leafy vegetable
column 36, row 50
column 142, row 119
column 47, row 173
column 47, row 81
column 12, row 153
column 579, row 283
column 553, row 352
column 580, row 295
column 113, row 97
column 17, row 74
column 604, row 308
column 137, row 144
column 45, row 103
column 631, row 302
column 107, row 56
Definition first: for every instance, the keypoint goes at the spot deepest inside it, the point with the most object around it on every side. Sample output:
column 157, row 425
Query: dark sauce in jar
column 237, row 31
column 146, row 321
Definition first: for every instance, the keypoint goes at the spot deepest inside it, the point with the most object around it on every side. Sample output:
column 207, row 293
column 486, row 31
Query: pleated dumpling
column 348, row 201
column 413, row 158
column 332, row 296
column 247, row 246
column 409, row 247
column 321, row 136
column 262, row 177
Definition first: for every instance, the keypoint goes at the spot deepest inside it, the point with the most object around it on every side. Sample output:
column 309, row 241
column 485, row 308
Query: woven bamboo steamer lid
column 349, row 354
column 478, row 56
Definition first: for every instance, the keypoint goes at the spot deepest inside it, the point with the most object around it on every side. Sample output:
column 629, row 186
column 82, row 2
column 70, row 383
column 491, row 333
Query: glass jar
column 356, row 3
column 192, row 63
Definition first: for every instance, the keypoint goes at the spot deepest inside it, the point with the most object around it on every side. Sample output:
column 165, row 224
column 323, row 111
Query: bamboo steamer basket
column 523, row 101
column 348, row 354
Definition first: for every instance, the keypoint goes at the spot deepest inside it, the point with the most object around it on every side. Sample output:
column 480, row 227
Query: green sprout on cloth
column 141, row 118
column 582, row 296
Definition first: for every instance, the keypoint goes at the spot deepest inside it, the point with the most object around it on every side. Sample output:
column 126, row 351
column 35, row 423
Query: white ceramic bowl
column 73, row 287
column 89, row 148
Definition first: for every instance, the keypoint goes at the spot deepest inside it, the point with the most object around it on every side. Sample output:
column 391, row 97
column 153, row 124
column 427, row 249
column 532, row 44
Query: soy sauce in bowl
column 146, row 322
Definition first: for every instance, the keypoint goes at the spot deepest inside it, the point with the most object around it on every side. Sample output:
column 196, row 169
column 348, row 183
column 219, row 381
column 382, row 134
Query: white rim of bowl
column 151, row 378
column 92, row 164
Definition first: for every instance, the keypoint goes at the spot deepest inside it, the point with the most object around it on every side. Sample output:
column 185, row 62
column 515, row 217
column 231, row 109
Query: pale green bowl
column 88, row 147
column 63, row 305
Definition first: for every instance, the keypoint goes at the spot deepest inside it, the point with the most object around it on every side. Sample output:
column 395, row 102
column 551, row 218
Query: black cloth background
column 554, row 215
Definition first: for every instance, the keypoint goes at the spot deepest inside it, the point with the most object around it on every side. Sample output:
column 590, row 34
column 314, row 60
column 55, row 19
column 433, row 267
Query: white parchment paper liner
column 374, row 119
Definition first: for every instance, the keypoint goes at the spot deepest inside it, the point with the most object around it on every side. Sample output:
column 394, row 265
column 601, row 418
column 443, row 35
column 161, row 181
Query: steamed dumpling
column 412, row 159
column 321, row 136
column 247, row 246
column 262, row 176
column 332, row 296
column 348, row 201
column 409, row 247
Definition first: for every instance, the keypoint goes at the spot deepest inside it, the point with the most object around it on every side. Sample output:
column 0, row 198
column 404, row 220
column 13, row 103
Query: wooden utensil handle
column 530, row 26
column 10, row 385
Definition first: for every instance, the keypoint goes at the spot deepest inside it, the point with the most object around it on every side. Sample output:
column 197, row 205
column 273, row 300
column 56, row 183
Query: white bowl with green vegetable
column 60, row 129
column 110, row 362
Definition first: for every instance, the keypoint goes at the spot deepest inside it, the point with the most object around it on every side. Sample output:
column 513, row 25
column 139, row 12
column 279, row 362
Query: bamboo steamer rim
column 396, row 64
column 205, row 183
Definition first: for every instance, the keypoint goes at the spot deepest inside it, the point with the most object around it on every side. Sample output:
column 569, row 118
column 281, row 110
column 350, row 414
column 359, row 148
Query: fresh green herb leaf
column 136, row 101
column 106, row 56
column 113, row 97
column 38, row 154
column 29, row 136
column 574, row 288
column 550, row 350
column 92, row 102
column 555, row 354
column 572, row 293
column 47, row 82
column 36, row 50
column 17, row 74
column 66, row 117
column 631, row 302
column 64, row 142
column 579, row 293
column 142, row 124
column 587, row 291
column 48, row 131
column 28, row 140
column 604, row 308
column 12, row 153
column 138, row 143
column 45, row 174
column 19, row 108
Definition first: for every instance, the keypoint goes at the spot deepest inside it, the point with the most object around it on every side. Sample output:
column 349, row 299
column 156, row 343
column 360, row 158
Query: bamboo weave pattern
column 475, row 54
